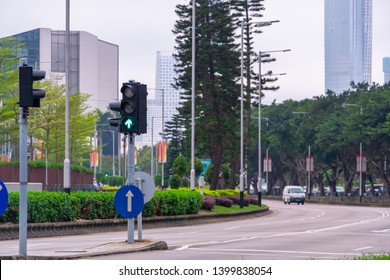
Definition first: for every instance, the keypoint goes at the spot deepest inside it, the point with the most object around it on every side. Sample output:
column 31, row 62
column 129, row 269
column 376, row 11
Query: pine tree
column 217, row 72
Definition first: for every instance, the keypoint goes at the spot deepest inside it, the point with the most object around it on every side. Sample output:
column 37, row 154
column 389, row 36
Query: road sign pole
column 23, row 182
column 130, row 181
column 139, row 218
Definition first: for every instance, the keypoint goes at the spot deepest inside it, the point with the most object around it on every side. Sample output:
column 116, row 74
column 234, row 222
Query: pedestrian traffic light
column 29, row 96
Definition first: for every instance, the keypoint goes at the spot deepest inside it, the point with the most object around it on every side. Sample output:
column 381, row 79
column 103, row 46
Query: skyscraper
column 348, row 43
column 386, row 69
column 163, row 107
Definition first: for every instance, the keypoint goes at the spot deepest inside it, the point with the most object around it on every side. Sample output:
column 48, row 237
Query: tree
column 9, row 95
column 217, row 71
column 180, row 166
column 48, row 122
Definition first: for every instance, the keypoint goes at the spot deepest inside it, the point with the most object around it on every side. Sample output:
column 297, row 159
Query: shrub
column 58, row 206
column 236, row 200
column 175, row 181
column 224, row 201
column 208, row 203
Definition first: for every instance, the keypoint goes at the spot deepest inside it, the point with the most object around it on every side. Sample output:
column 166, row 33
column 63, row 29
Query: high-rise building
column 386, row 69
column 167, row 98
column 348, row 43
column 93, row 63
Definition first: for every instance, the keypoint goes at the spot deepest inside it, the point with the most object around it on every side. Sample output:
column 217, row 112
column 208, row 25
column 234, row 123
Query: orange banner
column 94, row 158
column 162, row 152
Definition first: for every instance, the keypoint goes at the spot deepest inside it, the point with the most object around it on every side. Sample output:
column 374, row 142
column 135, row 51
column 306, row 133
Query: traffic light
column 129, row 107
column 29, row 96
column 132, row 108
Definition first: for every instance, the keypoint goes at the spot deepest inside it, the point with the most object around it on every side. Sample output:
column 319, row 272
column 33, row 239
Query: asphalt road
column 291, row 232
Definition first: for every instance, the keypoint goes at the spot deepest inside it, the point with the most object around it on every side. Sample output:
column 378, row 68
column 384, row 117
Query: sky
column 142, row 28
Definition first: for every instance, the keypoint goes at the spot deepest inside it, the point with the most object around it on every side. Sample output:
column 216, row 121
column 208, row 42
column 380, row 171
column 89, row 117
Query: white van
column 293, row 194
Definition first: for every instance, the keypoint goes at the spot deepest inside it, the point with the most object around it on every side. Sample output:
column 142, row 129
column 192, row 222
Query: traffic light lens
column 128, row 91
column 128, row 107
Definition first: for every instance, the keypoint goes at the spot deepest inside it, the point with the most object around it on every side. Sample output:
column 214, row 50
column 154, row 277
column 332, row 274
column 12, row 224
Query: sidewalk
column 9, row 250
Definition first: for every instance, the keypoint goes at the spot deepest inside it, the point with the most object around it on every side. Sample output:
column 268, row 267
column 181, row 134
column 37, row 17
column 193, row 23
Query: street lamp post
column 259, row 118
column 67, row 88
column 192, row 172
column 162, row 133
column 113, row 150
column 266, row 23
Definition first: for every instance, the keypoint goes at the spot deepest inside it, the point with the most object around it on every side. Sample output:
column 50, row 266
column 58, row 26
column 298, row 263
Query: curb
column 36, row 230
column 102, row 250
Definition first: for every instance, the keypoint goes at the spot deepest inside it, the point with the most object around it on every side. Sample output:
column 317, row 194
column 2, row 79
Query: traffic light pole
column 23, row 178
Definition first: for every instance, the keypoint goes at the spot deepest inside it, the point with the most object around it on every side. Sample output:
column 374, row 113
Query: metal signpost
column 145, row 183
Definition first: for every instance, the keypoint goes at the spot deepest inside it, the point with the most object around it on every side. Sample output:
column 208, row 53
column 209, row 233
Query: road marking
column 381, row 231
column 231, row 228
column 184, row 233
column 363, row 248
column 271, row 251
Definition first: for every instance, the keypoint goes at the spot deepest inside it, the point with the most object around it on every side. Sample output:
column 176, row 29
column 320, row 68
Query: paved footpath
column 76, row 247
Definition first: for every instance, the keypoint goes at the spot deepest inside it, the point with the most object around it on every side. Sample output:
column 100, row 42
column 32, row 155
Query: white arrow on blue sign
column 129, row 201
column 3, row 198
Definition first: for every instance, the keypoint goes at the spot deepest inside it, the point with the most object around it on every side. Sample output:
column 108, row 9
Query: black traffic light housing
column 129, row 107
column 132, row 108
column 28, row 96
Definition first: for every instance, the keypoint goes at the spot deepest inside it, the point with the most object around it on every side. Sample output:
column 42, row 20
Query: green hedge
column 61, row 207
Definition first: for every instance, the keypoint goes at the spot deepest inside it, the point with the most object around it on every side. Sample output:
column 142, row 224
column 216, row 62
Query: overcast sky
column 141, row 28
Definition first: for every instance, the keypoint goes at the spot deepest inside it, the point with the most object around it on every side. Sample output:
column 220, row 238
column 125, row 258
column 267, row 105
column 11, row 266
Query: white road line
column 363, row 248
column 186, row 233
column 231, row 228
column 270, row 251
column 381, row 231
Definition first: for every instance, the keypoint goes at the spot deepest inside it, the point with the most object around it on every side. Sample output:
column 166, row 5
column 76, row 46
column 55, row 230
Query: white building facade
column 348, row 43
column 93, row 65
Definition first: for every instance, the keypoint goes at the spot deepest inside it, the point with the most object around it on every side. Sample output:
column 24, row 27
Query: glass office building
column 348, row 43
column 386, row 69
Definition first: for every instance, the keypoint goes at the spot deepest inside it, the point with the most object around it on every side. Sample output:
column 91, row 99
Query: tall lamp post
column 359, row 159
column 163, row 132
column 259, row 117
column 113, row 150
column 259, row 24
column 67, row 87
column 192, row 172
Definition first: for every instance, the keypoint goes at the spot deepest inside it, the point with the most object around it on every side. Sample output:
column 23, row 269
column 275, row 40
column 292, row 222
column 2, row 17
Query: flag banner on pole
column 361, row 166
column 162, row 152
column 94, row 158
column 309, row 163
column 267, row 164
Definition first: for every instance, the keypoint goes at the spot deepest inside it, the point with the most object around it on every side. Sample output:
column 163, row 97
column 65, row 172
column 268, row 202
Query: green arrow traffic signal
column 128, row 124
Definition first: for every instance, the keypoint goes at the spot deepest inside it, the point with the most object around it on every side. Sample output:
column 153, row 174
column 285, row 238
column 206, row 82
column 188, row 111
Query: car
column 293, row 194
column 340, row 191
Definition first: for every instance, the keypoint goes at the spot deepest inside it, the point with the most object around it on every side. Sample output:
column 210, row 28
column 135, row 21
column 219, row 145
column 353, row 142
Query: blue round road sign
column 3, row 198
column 129, row 201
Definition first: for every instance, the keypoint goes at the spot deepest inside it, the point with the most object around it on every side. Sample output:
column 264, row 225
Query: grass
column 235, row 208
column 385, row 256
